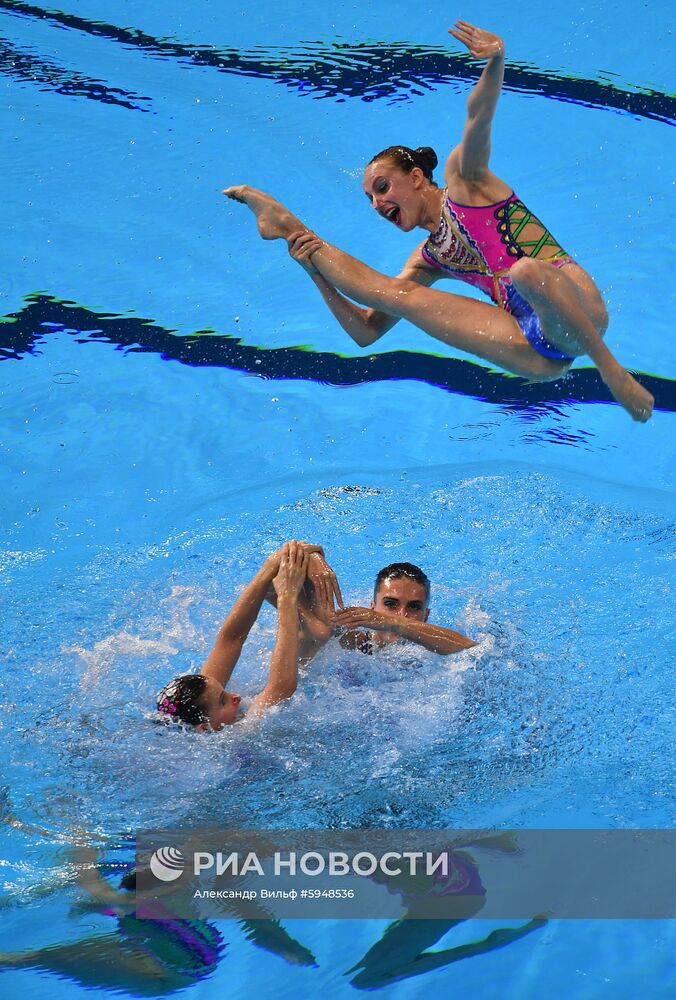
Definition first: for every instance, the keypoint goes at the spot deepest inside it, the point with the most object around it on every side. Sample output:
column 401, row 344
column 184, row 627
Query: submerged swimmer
column 549, row 311
column 201, row 700
column 399, row 611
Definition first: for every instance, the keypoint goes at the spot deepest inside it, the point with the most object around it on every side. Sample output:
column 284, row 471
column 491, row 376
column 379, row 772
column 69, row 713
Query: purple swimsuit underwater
column 480, row 243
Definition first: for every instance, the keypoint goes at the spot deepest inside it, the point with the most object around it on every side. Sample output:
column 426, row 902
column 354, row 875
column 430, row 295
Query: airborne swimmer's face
column 395, row 195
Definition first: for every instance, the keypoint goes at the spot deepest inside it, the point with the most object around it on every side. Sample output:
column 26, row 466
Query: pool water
column 177, row 402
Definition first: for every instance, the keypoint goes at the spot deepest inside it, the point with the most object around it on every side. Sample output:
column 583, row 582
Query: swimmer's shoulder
column 419, row 270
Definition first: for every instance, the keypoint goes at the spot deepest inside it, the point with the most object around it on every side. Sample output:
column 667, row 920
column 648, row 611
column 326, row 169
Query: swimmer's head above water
column 291, row 578
column 399, row 183
column 401, row 589
column 402, row 571
column 406, row 159
column 198, row 700
column 399, row 611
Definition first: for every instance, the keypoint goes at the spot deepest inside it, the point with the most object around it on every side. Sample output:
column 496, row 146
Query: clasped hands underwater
column 298, row 580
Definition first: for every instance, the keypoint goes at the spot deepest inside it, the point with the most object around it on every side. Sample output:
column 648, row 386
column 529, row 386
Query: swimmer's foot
column 274, row 221
column 636, row 400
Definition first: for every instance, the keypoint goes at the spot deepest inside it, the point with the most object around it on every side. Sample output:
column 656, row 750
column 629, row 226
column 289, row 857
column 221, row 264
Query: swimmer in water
column 399, row 611
column 547, row 310
column 297, row 579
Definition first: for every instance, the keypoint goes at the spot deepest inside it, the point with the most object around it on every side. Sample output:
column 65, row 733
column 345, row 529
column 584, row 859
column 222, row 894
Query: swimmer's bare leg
column 476, row 327
column 572, row 316
column 404, row 962
column 275, row 222
column 269, row 935
column 472, row 326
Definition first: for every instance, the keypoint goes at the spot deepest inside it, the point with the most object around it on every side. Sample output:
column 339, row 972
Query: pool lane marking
column 380, row 70
column 22, row 332
column 28, row 68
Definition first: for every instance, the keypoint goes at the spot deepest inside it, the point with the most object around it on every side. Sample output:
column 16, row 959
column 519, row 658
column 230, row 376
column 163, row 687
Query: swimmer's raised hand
column 481, row 44
column 301, row 247
column 326, row 586
column 292, row 571
column 275, row 557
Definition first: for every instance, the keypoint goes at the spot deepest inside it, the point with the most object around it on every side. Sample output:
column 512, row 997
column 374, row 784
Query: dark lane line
column 27, row 67
column 22, row 334
column 368, row 71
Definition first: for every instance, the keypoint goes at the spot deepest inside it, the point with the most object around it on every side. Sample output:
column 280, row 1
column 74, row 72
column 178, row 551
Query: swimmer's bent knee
column 549, row 370
column 526, row 272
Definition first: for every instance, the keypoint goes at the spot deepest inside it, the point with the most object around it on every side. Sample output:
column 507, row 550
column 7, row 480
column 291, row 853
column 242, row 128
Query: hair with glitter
column 406, row 159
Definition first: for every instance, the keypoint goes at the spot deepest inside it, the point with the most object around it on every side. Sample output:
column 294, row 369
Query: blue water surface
column 177, row 402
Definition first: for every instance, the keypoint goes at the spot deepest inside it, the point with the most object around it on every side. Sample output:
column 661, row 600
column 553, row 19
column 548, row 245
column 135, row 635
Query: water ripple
column 368, row 71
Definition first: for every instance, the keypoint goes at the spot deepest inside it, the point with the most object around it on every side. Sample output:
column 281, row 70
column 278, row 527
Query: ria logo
column 167, row 864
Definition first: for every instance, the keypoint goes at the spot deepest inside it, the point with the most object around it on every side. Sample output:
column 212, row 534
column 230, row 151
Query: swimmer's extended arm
column 232, row 634
column 86, row 863
column 283, row 675
column 433, row 637
column 469, row 160
column 365, row 326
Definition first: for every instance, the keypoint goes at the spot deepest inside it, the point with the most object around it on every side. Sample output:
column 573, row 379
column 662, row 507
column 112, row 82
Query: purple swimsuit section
column 480, row 243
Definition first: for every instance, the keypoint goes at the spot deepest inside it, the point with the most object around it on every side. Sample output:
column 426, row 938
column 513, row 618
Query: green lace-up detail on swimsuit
column 513, row 217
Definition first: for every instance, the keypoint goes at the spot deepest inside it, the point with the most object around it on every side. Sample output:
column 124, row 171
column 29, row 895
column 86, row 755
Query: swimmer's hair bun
column 426, row 159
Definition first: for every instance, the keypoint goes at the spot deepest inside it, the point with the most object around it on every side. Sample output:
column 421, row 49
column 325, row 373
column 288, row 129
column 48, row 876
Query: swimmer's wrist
column 287, row 600
column 499, row 51
column 405, row 629
column 271, row 565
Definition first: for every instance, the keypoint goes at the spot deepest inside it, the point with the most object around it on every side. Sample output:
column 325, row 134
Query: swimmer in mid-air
column 549, row 311
column 201, row 700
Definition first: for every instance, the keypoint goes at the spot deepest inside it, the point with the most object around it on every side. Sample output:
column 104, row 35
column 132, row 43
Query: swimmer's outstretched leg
column 404, row 964
column 476, row 327
column 275, row 222
column 572, row 316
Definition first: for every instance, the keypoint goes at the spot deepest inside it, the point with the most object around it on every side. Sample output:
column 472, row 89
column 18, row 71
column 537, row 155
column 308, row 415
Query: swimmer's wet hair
column 179, row 700
column 406, row 159
column 396, row 570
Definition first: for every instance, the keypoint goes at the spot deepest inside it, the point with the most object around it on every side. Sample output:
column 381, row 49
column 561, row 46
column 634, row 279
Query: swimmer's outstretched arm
column 433, row 637
column 469, row 159
column 283, row 675
column 232, row 634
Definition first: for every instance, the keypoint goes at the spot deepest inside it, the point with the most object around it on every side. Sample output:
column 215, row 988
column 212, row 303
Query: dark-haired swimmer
column 399, row 611
column 303, row 589
column 549, row 311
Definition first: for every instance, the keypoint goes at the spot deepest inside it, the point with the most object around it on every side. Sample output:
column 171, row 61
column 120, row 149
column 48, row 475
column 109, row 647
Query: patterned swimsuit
column 480, row 243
